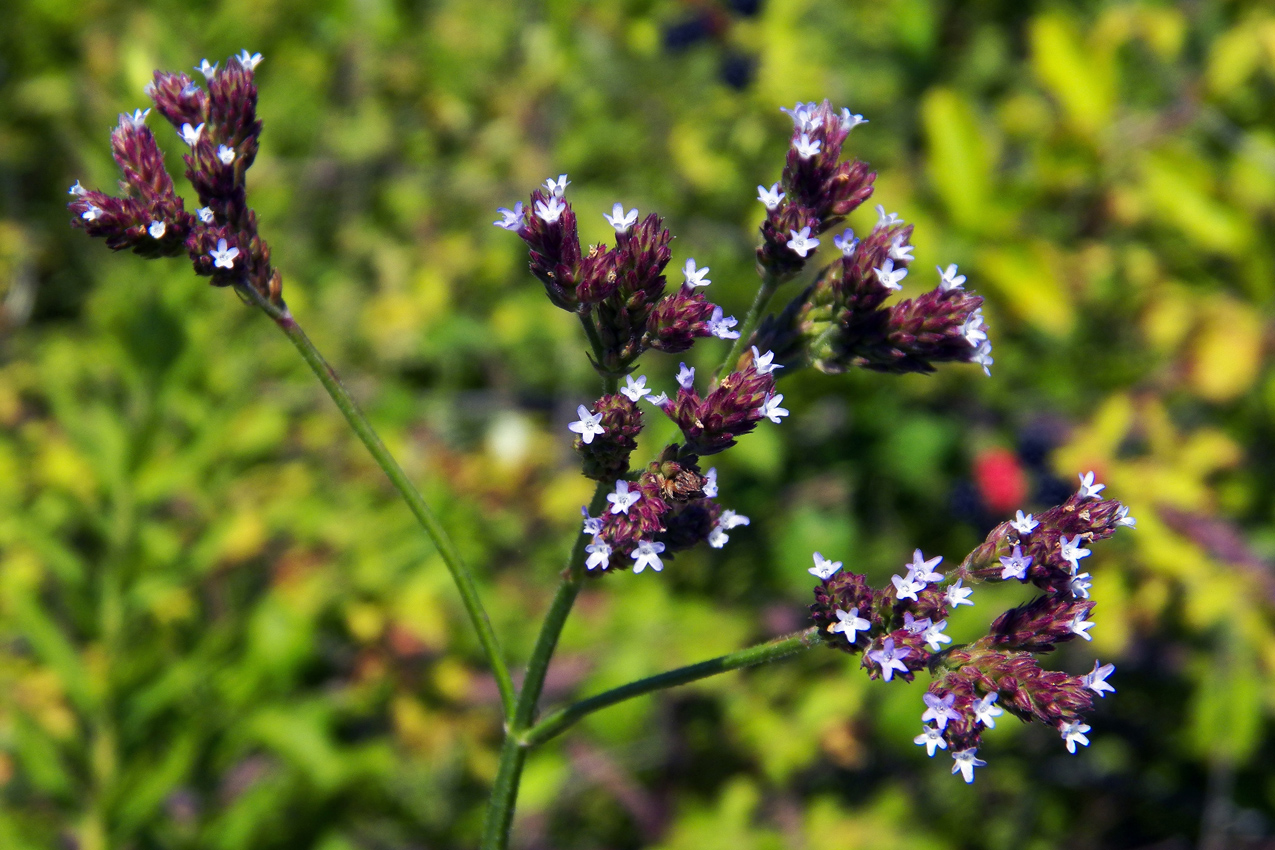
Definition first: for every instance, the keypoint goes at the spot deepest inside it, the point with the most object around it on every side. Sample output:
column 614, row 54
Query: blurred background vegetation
column 219, row 629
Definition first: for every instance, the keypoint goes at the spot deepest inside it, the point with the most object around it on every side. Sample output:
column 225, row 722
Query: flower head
column 599, row 555
column 77, row 190
column 823, row 568
column 1080, row 626
column 1088, row 489
column 223, row 257
column 964, row 762
column 720, row 325
column 208, row 69
column 848, row 623
column 592, row 524
column 890, row 658
column 1096, row 679
column 891, row 278
column 91, row 214
column 1015, row 565
column 1072, row 551
column 931, row 739
column 934, row 636
column 249, row 61
column 801, row 242
column 764, row 363
column 906, row 587
column 885, row 219
column 899, row 250
column 134, row 120
column 806, row 148
column 695, row 277
column 633, row 390
column 686, row 376
column 588, row 426
column 939, row 709
column 851, row 120
column 1024, row 524
column 982, row 356
column 550, row 211
column 623, row 498
column 922, row 570
column 846, row 243
column 949, row 279
column 956, row 596
column 770, row 408
column 557, row 188
column 986, row 711
column 717, row 538
column 1073, row 733
column 647, row 554
column 1123, row 518
column 1079, row 585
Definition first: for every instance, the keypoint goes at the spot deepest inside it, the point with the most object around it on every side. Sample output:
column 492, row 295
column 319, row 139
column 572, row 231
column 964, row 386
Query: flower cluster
column 842, row 319
column 900, row 629
column 221, row 128
column 620, row 291
column 816, row 190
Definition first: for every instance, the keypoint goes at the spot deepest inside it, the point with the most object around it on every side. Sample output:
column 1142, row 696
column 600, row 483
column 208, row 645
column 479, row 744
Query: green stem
column 504, row 795
column 415, row 502
column 769, row 283
column 562, row 719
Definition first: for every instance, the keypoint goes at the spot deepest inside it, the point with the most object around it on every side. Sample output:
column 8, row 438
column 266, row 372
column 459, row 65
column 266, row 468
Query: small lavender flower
column 208, row 69
column 939, row 709
column 1015, row 565
column 885, row 219
column 510, row 219
column 770, row 197
column 77, row 190
column 906, row 587
column 771, row 410
column 922, row 570
column 1074, row 733
column 249, row 61
column 986, row 711
column 983, row 357
column 205, row 215
column 800, row 242
column 695, row 277
column 136, row 119
column 889, row 658
column 850, row 120
column 931, row 739
column 823, row 568
column 588, row 426
column 899, row 250
column 964, row 763
column 849, row 622
column 623, row 498
column 156, row 229
column 621, row 220
column 934, row 637
column 764, row 363
column 1123, row 518
column 190, row 135
column 557, row 188
column 720, row 325
column 1023, row 524
column 1080, row 626
column 1096, row 679
column 846, row 243
column 949, row 279
column 686, row 376
column 599, row 555
column 805, row 147
column 889, row 277
column 223, row 257
column 1072, row 551
column 551, row 211
column 592, row 524
column 91, row 213
column 226, row 154
column 956, row 596
column 710, row 483
column 1088, row 489
column 717, row 538
column 647, row 554
column 633, row 390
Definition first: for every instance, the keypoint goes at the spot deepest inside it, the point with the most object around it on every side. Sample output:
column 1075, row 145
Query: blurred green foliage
column 218, row 628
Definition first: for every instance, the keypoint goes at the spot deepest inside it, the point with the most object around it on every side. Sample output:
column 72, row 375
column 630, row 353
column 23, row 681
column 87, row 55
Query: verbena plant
column 640, row 516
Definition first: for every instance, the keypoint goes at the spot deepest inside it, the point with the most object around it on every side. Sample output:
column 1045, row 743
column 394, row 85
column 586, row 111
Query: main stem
column 769, row 283
column 415, row 502
column 558, row 722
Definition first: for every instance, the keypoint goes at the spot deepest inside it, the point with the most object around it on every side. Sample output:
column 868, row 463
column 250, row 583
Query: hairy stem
column 415, row 502
column 764, row 653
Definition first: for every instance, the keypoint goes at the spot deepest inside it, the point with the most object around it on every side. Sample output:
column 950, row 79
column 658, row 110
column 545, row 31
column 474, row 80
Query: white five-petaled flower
column 551, row 211
column 510, row 219
column 623, row 498
column 906, row 587
column 1079, row 585
column 974, row 329
column 694, row 277
column 621, row 220
column 802, row 115
column 824, row 568
column 913, row 625
column 986, row 712
column 633, row 390
column 207, row 68
column 1088, row 489
column 890, row 277
column 923, row 570
column 1071, row 550
column 205, row 215
column 720, row 325
column 223, row 257
column 934, row 637
column 850, row 120
column 91, row 214
column 801, row 242
column 717, row 538
column 931, row 738
column 599, row 555
column 658, row 400
column 647, row 554
column 710, row 483
column 964, row 762
column 156, row 229
column 685, row 376
column 806, row 147
column 949, row 279
column 136, row 119
column 846, row 243
column 592, row 524
column 190, row 135
column 939, row 709
column 1016, row 565
column 848, row 623
column 1096, row 679
column 957, row 596
column 588, row 426
column 249, row 61
column 77, row 190
column 1074, row 733
column 1080, row 626
column 1023, row 523
column 770, row 408
column 982, row 356
column 889, row 658
column 1123, row 518
column 885, row 219
column 770, row 197
column 899, row 250
column 226, row 154
column 764, row 363
column 557, row 188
